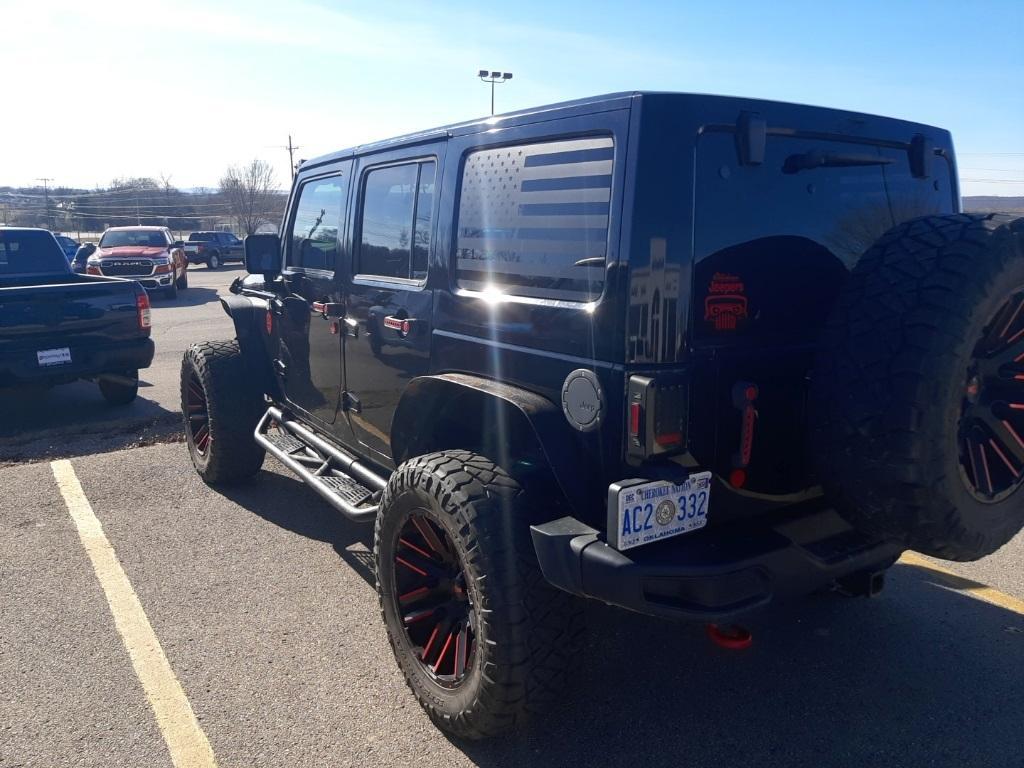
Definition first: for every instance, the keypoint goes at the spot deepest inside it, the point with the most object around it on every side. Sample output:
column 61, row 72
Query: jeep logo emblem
column 582, row 400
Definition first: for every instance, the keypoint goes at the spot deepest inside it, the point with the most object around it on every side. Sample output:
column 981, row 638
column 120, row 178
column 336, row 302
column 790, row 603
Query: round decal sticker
column 665, row 512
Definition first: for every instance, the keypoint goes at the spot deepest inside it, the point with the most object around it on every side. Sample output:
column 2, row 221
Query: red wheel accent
column 733, row 637
column 198, row 414
column 992, row 417
column 433, row 601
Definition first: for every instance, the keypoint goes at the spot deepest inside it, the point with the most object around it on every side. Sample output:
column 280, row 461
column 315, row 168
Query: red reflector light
column 672, row 438
column 634, row 419
column 270, row 323
column 406, row 325
column 738, row 478
column 142, row 307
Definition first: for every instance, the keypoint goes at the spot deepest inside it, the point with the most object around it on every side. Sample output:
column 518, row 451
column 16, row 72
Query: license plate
column 58, row 356
column 640, row 512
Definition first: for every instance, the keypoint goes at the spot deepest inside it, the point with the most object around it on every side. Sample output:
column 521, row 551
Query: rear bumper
column 21, row 366
column 716, row 574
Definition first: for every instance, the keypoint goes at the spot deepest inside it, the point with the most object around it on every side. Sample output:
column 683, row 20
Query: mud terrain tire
column 220, row 409
column 527, row 633
column 893, row 385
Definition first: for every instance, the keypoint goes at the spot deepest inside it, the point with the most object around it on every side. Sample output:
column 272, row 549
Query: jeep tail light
column 142, row 309
column 657, row 415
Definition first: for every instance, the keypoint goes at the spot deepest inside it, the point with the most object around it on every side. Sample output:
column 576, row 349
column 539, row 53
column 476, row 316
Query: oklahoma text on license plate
column 58, row 356
column 642, row 512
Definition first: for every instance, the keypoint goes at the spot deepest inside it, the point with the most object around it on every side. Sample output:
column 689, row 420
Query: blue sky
column 185, row 87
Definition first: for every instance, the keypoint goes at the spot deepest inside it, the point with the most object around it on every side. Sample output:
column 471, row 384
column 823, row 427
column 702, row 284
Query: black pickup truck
column 213, row 248
column 57, row 327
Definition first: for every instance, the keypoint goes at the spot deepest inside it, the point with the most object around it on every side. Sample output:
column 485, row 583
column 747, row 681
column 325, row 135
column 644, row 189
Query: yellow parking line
column 185, row 740
column 961, row 584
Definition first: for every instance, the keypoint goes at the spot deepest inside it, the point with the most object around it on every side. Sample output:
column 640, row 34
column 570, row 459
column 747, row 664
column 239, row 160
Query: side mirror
column 263, row 254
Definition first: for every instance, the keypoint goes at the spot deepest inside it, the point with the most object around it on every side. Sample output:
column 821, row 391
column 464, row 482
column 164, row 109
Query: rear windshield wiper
column 807, row 161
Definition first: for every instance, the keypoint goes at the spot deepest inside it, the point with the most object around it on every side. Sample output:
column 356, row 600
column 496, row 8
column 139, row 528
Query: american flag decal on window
column 533, row 219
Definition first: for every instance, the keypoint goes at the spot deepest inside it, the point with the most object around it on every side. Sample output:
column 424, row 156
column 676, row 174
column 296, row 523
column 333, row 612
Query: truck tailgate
column 79, row 312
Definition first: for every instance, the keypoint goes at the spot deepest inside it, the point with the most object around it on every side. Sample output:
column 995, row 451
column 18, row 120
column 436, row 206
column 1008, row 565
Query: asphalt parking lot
column 262, row 601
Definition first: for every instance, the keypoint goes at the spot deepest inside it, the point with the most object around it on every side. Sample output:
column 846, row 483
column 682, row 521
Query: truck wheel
column 213, row 261
column 482, row 639
column 220, row 408
column 918, row 398
column 120, row 392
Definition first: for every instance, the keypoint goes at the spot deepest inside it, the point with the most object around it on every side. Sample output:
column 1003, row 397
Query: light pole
column 492, row 78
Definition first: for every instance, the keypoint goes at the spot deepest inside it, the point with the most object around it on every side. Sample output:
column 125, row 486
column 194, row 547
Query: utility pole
column 46, row 194
column 291, row 156
column 492, row 78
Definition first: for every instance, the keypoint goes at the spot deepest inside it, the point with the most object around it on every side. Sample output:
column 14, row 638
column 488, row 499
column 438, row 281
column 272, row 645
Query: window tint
column 388, row 199
column 314, row 240
column 30, row 252
column 395, row 227
column 533, row 219
column 424, row 210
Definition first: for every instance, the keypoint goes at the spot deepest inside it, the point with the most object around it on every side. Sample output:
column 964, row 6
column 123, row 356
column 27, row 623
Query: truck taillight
column 657, row 416
column 142, row 307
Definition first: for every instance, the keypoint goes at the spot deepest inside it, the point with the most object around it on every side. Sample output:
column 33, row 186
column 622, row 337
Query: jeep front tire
column 221, row 409
column 482, row 639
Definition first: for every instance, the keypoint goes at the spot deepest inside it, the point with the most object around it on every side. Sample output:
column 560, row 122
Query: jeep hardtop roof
column 841, row 121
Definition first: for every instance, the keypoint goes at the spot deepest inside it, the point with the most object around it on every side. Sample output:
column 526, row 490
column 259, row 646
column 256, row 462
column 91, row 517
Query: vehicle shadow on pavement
column 313, row 518
column 193, row 297
column 922, row 675
column 75, row 420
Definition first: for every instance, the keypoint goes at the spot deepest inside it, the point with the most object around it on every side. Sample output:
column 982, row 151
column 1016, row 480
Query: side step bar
column 350, row 487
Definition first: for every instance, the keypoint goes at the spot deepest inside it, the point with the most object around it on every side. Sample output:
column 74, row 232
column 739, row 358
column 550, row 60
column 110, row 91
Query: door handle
column 329, row 309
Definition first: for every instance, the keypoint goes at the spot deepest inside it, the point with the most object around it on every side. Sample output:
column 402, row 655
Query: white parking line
column 185, row 740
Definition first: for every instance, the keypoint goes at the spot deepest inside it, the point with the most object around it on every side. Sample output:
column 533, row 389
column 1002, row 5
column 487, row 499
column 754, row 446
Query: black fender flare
column 247, row 313
column 569, row 463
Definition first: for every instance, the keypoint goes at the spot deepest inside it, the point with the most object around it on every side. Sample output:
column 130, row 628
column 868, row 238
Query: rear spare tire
column 917, row 400
column 221, row 408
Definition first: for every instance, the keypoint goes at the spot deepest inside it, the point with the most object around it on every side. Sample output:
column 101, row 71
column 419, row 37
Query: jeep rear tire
column 917, row 401
column 221, row 408
column 482, row 639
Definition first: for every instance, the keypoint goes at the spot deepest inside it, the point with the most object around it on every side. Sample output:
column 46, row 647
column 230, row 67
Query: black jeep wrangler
column 687, row 355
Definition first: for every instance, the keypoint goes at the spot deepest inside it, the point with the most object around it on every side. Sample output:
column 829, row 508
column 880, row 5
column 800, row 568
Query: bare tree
column 249, row 194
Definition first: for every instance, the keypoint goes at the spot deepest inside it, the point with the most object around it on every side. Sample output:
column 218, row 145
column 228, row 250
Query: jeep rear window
column 533, row 219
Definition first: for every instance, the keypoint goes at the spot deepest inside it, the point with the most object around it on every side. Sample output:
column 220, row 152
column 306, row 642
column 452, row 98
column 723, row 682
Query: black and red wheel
column 992, row 421
column 917, row 400
column 220, row 408
column 197, row 413
column 437, row 611
column 482, row 639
